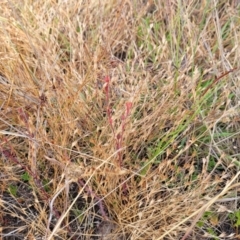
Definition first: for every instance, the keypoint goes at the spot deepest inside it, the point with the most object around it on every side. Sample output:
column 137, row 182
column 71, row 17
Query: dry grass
column 114, row 124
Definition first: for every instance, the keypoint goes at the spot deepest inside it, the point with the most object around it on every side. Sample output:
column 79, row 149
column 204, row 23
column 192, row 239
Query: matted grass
column 119, row 119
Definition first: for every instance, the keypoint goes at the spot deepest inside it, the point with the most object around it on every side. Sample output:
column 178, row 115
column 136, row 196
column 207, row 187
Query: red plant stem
column 216, row 80
column 119, row 137
column 9, row 154
column 98, row 199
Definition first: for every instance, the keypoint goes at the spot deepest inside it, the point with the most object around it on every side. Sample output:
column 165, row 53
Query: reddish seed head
column 107, row 79
column 106, row 87
column 128, row 106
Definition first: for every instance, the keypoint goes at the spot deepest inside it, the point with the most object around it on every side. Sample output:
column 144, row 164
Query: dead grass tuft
column 119, row 119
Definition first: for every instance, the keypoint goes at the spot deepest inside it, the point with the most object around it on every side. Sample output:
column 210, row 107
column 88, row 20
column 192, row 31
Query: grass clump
column 119, row 119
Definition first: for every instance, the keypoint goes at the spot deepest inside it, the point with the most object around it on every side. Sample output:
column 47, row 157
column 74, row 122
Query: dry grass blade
column 119, row 119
